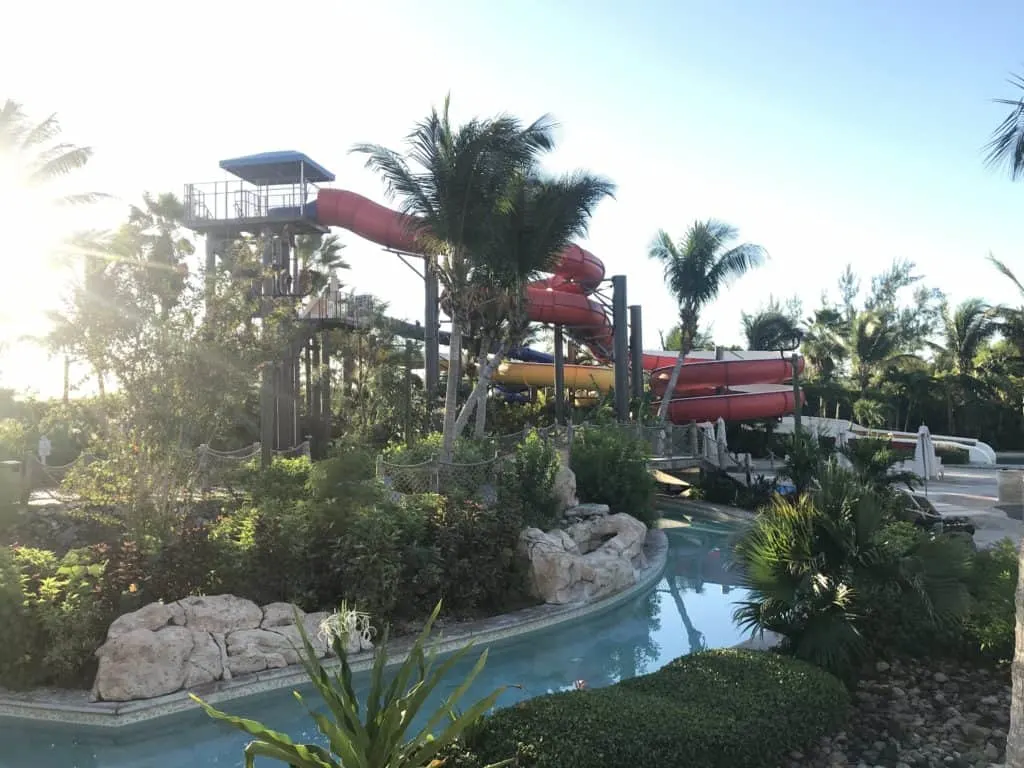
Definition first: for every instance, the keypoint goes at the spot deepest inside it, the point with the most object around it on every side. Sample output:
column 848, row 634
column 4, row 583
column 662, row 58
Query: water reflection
column 690, row 609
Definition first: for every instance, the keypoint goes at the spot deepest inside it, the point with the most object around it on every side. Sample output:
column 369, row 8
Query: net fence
column 479, row 478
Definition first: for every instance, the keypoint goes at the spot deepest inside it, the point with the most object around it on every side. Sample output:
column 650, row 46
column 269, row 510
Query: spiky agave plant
column 379, row 736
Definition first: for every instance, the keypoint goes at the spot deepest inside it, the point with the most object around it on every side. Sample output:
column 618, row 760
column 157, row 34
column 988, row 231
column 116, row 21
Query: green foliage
column 819, row 565
column 476, row 546
column 611, row 468
column 377, row 734
column 284, row 480
column 734, row 709
column 526, row 485
column 467, row 451
column 14, row 440
column 989, row 630
column 55, row 614
column 804, row 457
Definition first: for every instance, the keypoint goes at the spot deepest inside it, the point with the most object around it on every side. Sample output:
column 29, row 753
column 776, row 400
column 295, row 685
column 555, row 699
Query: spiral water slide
column 565, row 299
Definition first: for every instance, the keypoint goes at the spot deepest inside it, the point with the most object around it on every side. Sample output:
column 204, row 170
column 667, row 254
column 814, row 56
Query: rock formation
column 597, row 556
column 162, row 648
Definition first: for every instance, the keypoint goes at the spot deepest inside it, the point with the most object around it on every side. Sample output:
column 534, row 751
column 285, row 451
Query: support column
column 317, row 422
column 636, row 348
column 797, row 410
column 559, row 376
column 431, row 325
column 621, row 347
column 327, row 410
column 267, row 413
column 407, row 426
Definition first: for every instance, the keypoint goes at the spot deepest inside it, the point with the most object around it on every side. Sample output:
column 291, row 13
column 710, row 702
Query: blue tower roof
column 268, row 168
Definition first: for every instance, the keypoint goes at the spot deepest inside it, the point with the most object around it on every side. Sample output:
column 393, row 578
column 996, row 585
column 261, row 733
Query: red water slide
column 564, row 299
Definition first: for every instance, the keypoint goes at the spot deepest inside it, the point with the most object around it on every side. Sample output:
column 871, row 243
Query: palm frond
column 1006, row 145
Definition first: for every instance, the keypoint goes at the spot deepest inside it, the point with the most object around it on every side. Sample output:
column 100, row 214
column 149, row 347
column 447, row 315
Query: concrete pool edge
column 49, row 708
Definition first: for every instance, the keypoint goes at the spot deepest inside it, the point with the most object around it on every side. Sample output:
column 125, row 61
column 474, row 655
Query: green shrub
column 611, row 468
column 17, row 631
column 734, row 709
column 54, row 616
column 477, row 547
column 526, row 486
column 820, row 566
column 989, row 630
column 285, row 479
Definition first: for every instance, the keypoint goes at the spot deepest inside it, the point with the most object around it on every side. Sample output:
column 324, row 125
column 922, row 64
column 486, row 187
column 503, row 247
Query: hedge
column 727, row 708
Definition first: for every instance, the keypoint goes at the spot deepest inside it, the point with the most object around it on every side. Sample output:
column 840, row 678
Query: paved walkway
column 973, row 492
column 963, row 492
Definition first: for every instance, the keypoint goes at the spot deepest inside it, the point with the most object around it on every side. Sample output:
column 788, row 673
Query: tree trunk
column 451, row 395
column 1015, row 735
column 684, row 350
column 481, row 406
column 480, row 390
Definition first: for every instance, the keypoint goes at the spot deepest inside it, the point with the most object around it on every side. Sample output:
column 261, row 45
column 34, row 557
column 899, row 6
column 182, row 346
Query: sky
column 847, row 131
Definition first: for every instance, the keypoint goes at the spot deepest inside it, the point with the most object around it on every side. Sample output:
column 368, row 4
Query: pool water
column 688, row 610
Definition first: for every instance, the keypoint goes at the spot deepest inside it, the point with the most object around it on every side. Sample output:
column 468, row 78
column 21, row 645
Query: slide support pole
column 621, row 347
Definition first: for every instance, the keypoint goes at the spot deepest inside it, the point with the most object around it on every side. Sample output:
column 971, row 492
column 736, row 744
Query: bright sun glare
column 33, row 227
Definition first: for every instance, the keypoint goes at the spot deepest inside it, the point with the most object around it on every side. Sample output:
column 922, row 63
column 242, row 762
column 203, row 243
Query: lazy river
column 689, row 609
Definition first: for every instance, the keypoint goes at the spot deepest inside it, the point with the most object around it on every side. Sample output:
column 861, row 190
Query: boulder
column 141, row 664
column 565, row 484
column 279, row 615
column 588, row 510
column 221, row 613
column 152, row 617
column 261, row 642
column 164, row 648
column 205, row 663
column 591, row 560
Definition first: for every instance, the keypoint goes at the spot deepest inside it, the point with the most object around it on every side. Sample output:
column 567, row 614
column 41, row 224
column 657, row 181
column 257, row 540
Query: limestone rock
column 221, row 613
column 588, row 510
column 163, row 648
column 204, row 663
column 565, row 486
column 152, row 617
column 591, row 560
column 261, row 642
column 279, row 615
column 620, row 534
column 142, row 664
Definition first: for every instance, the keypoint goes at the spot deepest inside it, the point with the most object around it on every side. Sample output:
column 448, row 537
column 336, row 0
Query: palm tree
column 696, row 269
column 770, row 330
column 1006, row 145
column 544, row 215
column 319, row 257
column 872, row 346
column 39, row 157
column 454, row 182
column 671, row 341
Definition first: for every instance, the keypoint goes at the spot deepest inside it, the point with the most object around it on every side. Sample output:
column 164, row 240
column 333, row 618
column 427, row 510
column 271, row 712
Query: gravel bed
column 915, row 713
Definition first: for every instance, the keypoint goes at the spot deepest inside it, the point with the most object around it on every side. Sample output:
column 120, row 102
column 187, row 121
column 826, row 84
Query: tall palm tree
column 319, row 257
column 38, row 156
column 873, row 346
column 32, row 156
column 1006, row 148
column 770, row 330
column 1006, row 145
column 454, row 181
column 544, row 215
column 696, row 269
column 965, row 332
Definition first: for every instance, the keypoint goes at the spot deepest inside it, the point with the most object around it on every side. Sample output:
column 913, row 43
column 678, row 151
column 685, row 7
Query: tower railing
column 235, row 199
